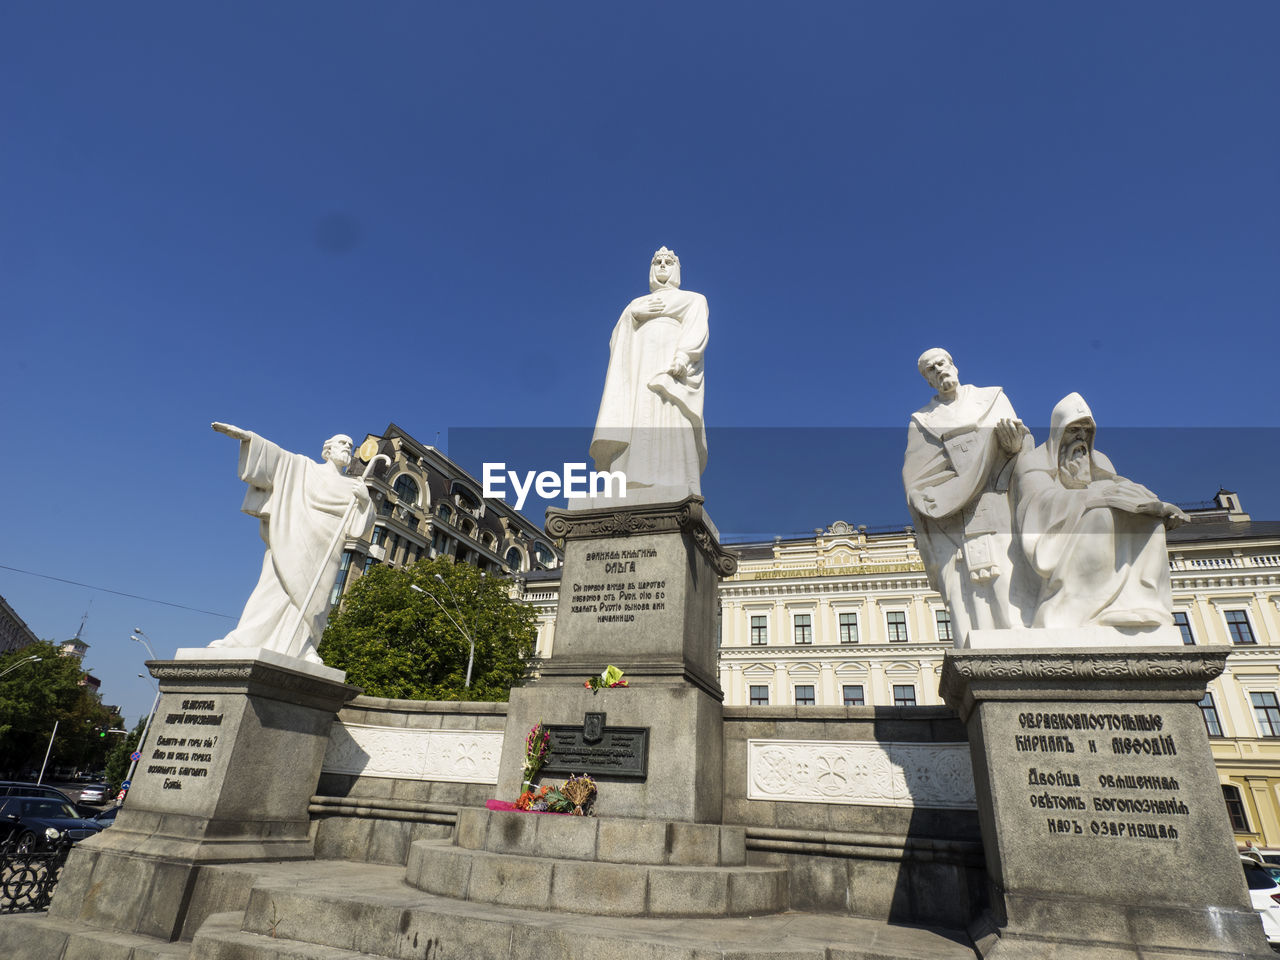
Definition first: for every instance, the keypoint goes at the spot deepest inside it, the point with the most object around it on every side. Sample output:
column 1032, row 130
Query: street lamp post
column 138, row 635
column 462, row 630
column 14, row 666
column 48, row 750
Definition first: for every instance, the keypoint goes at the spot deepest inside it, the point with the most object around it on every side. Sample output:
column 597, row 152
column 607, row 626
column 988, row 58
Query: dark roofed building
column 14, row 632
column 428, row 506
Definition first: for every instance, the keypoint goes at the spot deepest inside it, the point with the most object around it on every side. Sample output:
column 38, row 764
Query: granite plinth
column 1103, row 822
column 227, row 772
column 684, row 780
column 638, row 590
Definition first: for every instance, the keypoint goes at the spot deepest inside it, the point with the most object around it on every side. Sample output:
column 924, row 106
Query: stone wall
column 397, row 771
column 872, row 809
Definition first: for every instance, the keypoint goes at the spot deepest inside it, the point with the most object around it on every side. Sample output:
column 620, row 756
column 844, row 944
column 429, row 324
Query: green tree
column 398, row 643
column 32, row 697
column 118, row 759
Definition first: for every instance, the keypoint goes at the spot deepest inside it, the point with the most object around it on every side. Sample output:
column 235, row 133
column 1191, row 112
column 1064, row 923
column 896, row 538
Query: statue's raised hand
column 231, row 431
column 1009, row 434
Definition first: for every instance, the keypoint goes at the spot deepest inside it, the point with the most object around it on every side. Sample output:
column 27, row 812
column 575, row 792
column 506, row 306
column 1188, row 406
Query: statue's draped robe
column 965, row 535
column 300, row 504
column 650, row 424
column 1100, row 565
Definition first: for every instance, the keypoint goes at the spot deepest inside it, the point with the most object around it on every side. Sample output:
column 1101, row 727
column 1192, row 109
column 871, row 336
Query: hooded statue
column 1096, row 539
column 650, row 422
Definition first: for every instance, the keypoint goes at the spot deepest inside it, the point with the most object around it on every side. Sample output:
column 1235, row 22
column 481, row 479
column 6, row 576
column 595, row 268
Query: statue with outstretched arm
column 305, row 509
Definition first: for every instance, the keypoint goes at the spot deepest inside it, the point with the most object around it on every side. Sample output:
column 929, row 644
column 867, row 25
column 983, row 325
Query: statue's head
column 664, row 269
column 337, row 450
column 1071, row 432
column 936, row 366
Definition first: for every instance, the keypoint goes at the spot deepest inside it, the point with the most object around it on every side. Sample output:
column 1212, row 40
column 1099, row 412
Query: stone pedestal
column 638, row 590
column 227, row 771
column 1103, row 822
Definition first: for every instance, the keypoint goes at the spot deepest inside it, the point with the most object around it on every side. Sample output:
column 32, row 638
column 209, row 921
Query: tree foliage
column 118, row 761
column 35, row 695
column 395, row 642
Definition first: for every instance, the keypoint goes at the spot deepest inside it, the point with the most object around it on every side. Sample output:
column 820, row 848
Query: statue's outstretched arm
column 231, row 431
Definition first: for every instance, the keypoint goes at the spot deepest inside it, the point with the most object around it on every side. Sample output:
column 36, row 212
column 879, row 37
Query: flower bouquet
column 610, row 677
column 537, row 747
column 574, row 797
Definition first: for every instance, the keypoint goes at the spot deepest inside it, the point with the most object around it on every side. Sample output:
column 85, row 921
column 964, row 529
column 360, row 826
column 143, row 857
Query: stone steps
column 600, row 888
column 335, row 910
column 36, row 937
column 604, row 839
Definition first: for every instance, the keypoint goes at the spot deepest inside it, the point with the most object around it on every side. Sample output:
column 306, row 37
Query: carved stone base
column 227, row 772
column 1102, row 817
column 638, row 591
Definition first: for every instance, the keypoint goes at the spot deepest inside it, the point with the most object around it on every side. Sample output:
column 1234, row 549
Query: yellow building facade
column 846, row 617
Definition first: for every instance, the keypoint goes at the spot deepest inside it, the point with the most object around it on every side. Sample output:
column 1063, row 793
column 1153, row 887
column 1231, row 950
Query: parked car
column 94, row 793
column 107, row 817
column 1264, row 892
column 21, row 788
column 38, row 819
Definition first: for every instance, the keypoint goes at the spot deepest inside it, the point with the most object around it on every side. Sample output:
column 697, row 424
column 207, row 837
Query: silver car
column 94, row 793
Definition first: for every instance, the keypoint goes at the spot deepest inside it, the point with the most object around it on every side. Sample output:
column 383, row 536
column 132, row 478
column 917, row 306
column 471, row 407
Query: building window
column 944, row 625
column 759, row 631
column 444, row 513
column 848, row 628
column 853, row 695
column 369, row 563
column 896, row 623
column 759, row 696
column 513, row 558
column 1183, row 623
column 803, row 627
column 379, row 534
column 904, row 695
column 1210, row 712
column 804, row 695
column 1266, row 710
column 1238, row 626
column 1235, row 809
column 341, row 582
column 543, row 554
column 385, row 507
column 406, row 490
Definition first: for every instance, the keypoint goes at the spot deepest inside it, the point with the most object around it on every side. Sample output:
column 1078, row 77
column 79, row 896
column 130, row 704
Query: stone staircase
column 605, row 867
column 519, row 886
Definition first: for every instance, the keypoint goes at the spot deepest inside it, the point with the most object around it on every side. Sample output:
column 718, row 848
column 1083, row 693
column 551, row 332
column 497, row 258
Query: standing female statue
column 650, row 422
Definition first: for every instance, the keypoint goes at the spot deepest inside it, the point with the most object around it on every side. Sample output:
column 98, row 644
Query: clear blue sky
column 310, row 217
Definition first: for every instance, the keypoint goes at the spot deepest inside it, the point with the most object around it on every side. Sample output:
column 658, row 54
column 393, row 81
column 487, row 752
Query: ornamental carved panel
column 871, row 773
column 451, row 756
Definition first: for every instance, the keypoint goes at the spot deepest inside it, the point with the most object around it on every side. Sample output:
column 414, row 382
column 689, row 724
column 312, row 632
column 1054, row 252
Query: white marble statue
column 650, row 421
column 961, row 449
column 1096, row 539
column 305, row 509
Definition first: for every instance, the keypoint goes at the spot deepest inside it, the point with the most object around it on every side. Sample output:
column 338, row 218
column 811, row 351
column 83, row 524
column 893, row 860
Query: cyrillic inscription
column 1073, row 784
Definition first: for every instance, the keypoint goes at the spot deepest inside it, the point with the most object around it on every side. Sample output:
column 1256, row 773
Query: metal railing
column 29, row 870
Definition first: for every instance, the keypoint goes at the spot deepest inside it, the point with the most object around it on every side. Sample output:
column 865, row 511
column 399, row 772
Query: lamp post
column 462, row 630
column 458, row 607
column 133, row 764
column 139, row 636
column 14, row 666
